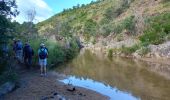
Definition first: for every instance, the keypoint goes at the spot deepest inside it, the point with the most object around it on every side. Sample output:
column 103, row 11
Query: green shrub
column 90, row 27
column 72, row 51
column 128, row 24
column 57, row 53
column 115, row 11
column 130, row 50
column 94, row 41
column 110, row 53
column 106, row 30
column 120, row 37
column 144, row 51
column 157, row 30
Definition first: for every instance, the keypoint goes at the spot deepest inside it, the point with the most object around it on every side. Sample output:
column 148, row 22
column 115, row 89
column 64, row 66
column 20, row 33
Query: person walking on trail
column 19, row 47
column 28, row 53
column 43, row 54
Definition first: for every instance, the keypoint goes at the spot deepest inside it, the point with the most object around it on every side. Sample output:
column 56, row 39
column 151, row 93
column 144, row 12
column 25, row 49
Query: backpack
column 29, row 51
column 19, row 46
column 43, row 53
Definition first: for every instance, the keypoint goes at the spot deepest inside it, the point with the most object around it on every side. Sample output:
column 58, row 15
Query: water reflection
column 107, row 90
column 127, row 75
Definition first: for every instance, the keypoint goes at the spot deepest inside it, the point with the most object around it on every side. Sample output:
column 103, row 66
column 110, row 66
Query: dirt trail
column 34, row 87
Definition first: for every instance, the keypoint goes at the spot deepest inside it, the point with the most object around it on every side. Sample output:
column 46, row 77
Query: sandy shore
column 34, row 87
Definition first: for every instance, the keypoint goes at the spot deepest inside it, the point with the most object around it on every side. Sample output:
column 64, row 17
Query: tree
column 30, row 15
column 8, row 9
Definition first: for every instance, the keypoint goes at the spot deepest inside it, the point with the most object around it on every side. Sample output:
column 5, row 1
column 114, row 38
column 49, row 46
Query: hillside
column 123, row 25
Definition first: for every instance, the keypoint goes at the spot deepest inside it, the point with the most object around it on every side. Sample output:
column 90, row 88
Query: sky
column 44, row 8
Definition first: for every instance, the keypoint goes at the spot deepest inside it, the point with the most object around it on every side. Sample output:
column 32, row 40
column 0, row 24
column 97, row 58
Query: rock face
column 160, row 51
column 7, row 87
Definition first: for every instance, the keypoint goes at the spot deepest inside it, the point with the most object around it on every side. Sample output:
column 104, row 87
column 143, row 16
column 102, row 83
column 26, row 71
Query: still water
column 118, row 78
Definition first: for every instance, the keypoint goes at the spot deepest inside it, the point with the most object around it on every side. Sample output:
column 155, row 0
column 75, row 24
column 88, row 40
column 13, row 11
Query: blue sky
column 58, row 5
column 45, row 8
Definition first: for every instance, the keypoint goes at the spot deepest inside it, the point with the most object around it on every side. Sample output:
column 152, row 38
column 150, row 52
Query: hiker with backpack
column 43, row 54
column 28, row 53
column 19, row 47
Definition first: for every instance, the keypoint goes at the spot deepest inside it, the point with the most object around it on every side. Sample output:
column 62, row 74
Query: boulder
column 136, row 55
column 6, row 88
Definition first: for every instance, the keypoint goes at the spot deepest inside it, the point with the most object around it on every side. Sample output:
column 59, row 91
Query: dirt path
column 34, row 87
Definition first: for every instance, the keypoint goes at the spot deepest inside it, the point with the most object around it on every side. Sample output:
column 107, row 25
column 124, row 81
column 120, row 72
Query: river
column 118, row 78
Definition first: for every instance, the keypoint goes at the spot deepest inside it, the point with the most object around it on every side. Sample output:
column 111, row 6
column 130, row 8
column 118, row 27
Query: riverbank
column 32, row 87
column 159, row 65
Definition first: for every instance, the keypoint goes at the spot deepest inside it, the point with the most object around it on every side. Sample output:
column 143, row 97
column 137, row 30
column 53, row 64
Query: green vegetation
column 28, row 32
column 129, row 50
column 7, row 8
column 157, row 30
column 58, row 54
column 143, row 51
column 90, row 27
column 110, row 53
column 128, row 24
column 114, row 11
column 93, row 19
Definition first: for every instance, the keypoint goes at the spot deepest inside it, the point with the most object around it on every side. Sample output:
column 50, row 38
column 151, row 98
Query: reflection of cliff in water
column 125, row 74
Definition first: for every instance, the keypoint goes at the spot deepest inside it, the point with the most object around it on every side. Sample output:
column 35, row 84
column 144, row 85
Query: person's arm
column 46, row 52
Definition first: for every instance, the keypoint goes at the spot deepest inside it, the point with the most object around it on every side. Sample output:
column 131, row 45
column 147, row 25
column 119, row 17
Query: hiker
column 19, row 48
column 28, row 53
column 43, row 54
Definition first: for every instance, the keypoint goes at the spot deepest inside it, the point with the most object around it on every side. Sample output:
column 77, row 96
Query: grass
column 129, row 50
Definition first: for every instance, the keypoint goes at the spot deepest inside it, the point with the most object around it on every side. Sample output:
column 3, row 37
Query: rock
column 55, row 93
column 51, row 97
column 71, row 88
column 157, row 55
column 60, row 97
column 148, row 55
column 122, row 55
column 45, row 98
column 80, row 94
column 7, row 87
column 161, row 50
column 136, row 55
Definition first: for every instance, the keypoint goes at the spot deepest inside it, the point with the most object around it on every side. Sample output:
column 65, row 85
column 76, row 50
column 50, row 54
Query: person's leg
column 29, row 62
column 17, row 54
column 41, row 70
column 25, row 61
column 45, row 66
column 45, row 70
column 41, row 67
column 21, row 59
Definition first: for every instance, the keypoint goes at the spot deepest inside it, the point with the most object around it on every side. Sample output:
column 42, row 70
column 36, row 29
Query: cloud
column 43, row 11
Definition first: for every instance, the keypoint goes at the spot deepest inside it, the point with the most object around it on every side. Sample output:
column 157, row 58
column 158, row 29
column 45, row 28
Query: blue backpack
column 42, row 53
column 19, row 46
